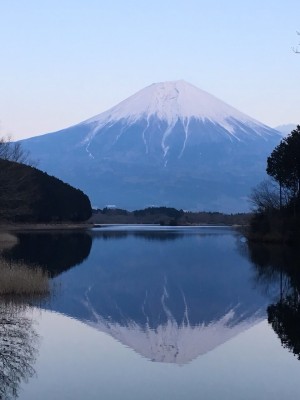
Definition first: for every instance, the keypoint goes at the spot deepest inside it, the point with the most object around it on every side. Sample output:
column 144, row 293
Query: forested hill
column 30, row 195
column 166, row 216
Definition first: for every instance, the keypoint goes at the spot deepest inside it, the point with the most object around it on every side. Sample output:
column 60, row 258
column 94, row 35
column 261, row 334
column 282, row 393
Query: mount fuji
column 169, row 144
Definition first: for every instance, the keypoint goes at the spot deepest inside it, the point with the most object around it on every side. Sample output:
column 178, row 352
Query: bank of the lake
column 275, row 227
column 10, row 227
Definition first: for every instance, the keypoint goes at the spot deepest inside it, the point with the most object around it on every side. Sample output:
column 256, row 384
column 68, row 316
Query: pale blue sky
column 63, row 61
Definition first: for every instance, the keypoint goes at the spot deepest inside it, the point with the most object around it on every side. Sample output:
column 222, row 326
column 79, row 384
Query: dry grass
column 17, row 279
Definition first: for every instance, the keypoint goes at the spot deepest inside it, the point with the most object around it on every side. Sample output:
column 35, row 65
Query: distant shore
column 166, row 216
column 163, row 216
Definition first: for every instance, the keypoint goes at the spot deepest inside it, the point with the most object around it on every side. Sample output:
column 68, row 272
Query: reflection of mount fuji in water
column 169, row 300
column 55, row 251
column 173, row 341
column 170, row 295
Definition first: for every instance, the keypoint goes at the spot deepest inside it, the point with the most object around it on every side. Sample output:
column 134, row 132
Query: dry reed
column 16, row 278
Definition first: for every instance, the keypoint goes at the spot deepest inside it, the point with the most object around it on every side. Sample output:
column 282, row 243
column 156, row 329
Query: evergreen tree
column 283, row 165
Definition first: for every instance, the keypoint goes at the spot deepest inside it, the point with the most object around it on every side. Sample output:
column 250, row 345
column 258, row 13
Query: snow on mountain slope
column 170, row 101
column 173, row 101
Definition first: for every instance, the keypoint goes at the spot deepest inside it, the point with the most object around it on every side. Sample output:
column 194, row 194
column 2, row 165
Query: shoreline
column 89, row 225
column 45, row 226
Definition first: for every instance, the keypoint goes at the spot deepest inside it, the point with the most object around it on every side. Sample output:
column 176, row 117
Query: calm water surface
column 154, row 313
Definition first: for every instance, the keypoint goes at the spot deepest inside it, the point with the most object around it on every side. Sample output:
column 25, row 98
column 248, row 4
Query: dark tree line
column 277, row 202
column 166, row 216
column 283, row 166
column 58, row 201
column 30, row 195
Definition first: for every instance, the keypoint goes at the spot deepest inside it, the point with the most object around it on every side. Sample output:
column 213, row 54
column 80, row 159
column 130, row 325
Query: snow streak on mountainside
column 169, row 144
column 172, row 103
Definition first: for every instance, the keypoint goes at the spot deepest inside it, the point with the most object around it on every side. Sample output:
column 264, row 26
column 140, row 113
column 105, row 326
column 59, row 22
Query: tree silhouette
column 13, row 151
column 283, row 165
column 284, row 318
column 277, row 270
column 18, row 349
column 30, row 195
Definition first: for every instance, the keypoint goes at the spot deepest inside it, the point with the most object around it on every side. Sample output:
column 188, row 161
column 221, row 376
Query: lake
column 146, row 312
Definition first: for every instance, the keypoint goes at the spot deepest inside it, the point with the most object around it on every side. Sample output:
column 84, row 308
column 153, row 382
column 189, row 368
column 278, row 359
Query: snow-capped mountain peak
column 170, row 101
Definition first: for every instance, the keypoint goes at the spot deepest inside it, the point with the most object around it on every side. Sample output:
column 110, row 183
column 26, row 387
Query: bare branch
column 296, row 49
column 13, row 151
column 265, row 197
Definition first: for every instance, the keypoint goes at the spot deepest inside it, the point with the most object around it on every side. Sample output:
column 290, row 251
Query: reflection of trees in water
column 155, row 235
column 285, row 320
column 160, row 236
column 18, row 349
column 281, row 264
column 54, row 251
column 147, row 235
column 108, row 235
